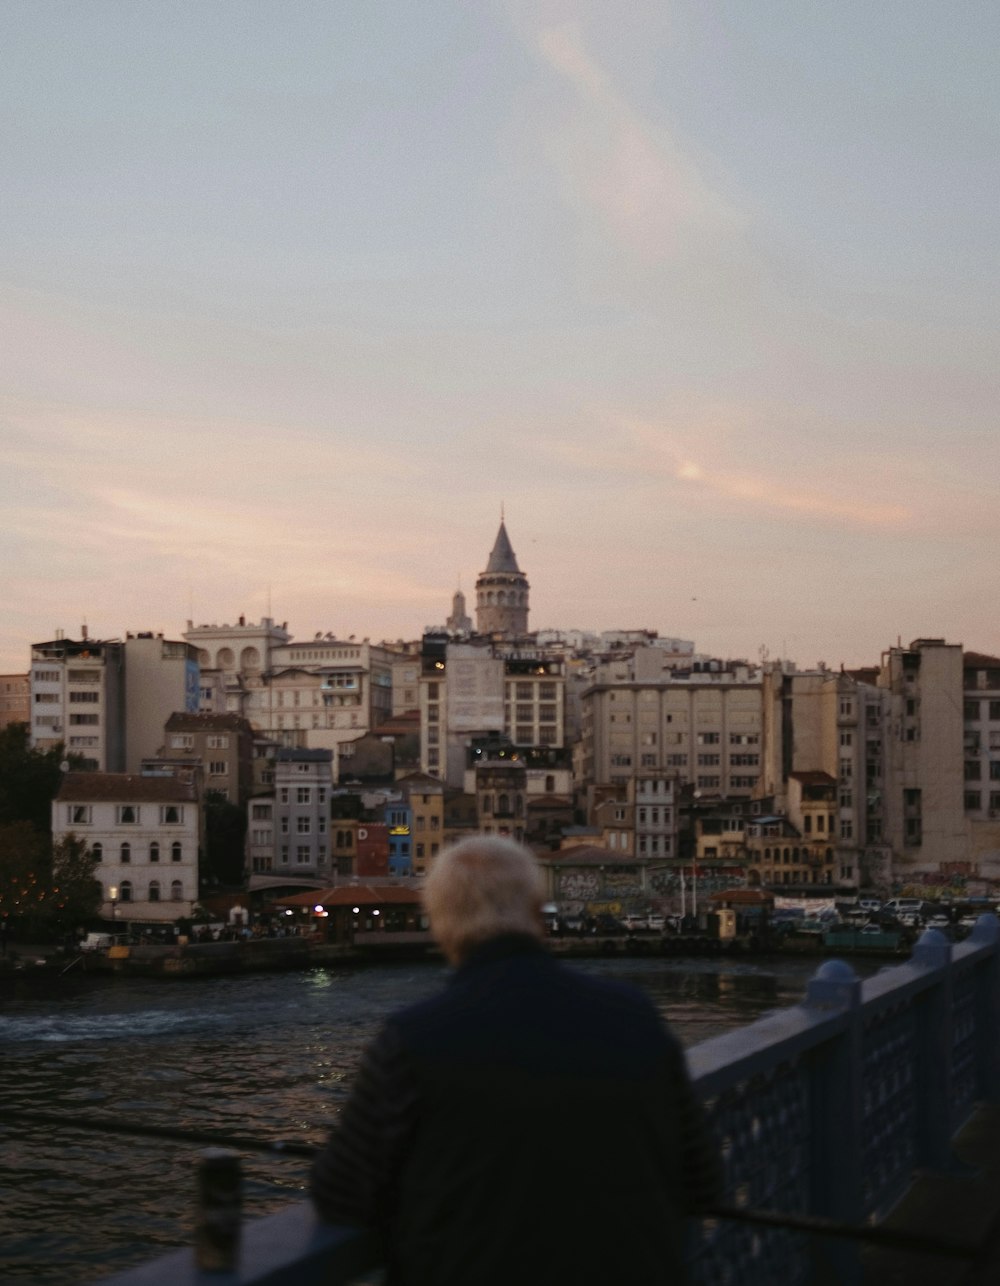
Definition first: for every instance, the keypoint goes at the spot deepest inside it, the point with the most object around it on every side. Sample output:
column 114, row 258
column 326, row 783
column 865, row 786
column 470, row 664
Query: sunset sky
column 296, row 294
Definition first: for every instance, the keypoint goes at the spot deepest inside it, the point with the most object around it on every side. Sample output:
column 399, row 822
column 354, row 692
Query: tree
column 43, row 887
column 29, row 779
column 225, row 840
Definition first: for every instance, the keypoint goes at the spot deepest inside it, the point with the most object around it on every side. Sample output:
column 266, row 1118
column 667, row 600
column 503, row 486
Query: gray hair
column 480, row 888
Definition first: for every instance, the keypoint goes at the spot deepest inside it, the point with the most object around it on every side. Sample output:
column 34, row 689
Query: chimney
column 83, row 633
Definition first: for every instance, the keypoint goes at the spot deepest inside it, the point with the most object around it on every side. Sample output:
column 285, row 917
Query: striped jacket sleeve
column 354, row 1177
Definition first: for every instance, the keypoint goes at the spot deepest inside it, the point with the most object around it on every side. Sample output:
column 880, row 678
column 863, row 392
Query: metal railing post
column 987, row 932
column 219, row 1211
column 933, row 1055
column 836, row 1112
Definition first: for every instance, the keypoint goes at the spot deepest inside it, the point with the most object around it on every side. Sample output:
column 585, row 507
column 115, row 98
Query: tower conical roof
column 502, row 557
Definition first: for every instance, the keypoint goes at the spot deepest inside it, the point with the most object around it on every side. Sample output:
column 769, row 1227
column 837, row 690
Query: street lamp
column 113, row 895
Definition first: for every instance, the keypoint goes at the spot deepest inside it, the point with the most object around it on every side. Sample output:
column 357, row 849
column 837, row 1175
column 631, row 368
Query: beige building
column 318, row 694
column 425, row 795
column 161, row 678
column 704, row 727
column 15, row 699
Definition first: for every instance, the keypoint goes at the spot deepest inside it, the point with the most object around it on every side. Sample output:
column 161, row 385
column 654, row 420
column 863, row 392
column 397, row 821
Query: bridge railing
column 825, row 1108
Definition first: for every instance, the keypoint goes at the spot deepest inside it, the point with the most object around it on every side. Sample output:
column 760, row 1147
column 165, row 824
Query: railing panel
column 889, row 1103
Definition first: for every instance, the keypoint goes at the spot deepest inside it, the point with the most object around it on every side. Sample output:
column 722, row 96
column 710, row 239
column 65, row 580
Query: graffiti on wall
column 581, row 886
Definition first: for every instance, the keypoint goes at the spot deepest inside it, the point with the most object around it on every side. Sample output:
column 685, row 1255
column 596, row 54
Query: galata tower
column 502, row 592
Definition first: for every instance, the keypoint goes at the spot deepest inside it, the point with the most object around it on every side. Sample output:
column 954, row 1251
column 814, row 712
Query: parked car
column 656, row 923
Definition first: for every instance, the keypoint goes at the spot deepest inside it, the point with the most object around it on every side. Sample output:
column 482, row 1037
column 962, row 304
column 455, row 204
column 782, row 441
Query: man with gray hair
column 529, row 1126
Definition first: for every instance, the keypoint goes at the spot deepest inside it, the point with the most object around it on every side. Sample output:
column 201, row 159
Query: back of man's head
column 481, row 888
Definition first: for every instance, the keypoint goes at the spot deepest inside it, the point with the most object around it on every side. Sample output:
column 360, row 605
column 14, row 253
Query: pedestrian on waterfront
column 529, row 1125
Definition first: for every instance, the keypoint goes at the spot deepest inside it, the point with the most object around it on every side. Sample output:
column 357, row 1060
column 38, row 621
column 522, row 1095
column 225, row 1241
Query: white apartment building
column 146, row 831
column 78, row 699
column 108, row 700
column 316, row 694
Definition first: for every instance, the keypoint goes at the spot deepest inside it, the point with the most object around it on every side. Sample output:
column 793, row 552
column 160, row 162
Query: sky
column 297, row 296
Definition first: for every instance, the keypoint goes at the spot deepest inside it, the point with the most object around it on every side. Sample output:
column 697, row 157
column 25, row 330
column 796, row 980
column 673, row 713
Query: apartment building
column 145, row 830
column 15, row 699
column 223, row 744
column 303, row 781
column 702, row 726
column 481, row 689
column 108, row 701
column 78, row 699
column 425, row 796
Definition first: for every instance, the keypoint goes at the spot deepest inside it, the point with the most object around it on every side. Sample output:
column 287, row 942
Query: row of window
column 153, row 891
column 303, row 794
column 974, row 800
column 125, row 814
column 303, row 825
column 125, row 852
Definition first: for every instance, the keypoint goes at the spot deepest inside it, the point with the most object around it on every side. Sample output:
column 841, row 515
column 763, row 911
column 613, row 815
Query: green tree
column 46, row 888
column 29, row 779
column 225, row 841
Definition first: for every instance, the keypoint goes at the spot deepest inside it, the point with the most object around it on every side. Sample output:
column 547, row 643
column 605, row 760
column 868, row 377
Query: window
column 302, row 853
column 708, row 738
column 175, row 851
column 303, row 826
column 176, row 891
column 154, row 851
column 154, row 890
column 84, row 720
column 46, row 698
column 283, row 794
column 78, row 814
column 301, row 767
column 973, row 800
column 127, row 814
column 47, row 676
column 217, row 768
column 171, row 814
column 125, row 891
column 283, row 824
column 97, row 851
column 709, row 761
column 217, row 743
column 182, row 741
column 973, row 770
column 261, row 812
column 970, row 711
column 84, row 698
column 303, row 795
column 125, row 852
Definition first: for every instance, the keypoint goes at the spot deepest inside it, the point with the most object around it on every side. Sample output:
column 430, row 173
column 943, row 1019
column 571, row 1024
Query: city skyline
column 295, row 299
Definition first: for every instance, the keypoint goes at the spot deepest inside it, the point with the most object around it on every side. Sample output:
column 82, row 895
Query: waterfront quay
column 859, row 1131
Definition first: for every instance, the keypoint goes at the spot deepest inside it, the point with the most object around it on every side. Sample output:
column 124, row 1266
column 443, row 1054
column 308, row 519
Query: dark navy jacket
column 530, row 1124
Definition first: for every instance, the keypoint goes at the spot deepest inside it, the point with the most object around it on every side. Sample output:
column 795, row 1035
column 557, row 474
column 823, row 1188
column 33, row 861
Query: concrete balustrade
column 825, row 1108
